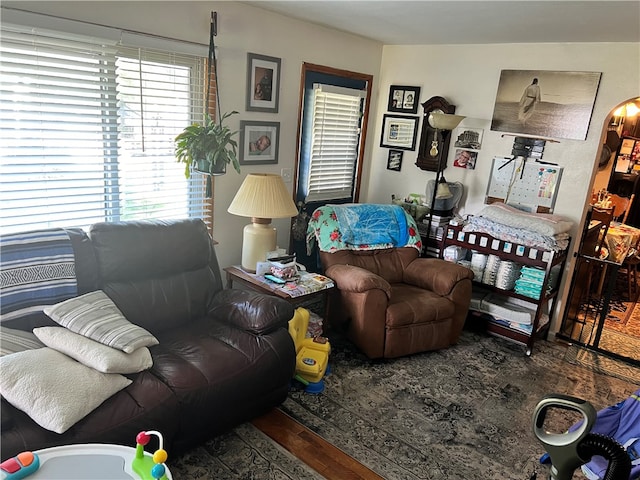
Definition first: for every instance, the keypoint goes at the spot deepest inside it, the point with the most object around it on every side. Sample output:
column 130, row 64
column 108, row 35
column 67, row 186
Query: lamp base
column 258, row 238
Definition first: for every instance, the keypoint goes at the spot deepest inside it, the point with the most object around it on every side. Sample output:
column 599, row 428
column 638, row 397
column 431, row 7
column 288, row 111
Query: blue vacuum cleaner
column 570, row 450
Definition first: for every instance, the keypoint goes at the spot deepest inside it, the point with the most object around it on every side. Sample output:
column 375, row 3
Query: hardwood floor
column 320, row 455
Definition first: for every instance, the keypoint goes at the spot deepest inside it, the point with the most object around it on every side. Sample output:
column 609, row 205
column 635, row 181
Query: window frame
column 347, row 76
column 106, row 212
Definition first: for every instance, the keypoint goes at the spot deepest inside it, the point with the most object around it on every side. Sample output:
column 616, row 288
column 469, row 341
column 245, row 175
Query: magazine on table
column 305, row 283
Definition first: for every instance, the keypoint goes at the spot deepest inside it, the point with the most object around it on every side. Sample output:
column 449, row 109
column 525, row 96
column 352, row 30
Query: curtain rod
column 125, row 30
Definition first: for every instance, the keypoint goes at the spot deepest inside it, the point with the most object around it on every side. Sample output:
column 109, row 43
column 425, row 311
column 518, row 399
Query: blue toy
column 20, row 466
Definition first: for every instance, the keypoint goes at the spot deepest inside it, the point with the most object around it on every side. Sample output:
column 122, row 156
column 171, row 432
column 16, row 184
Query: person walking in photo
column 530, row 98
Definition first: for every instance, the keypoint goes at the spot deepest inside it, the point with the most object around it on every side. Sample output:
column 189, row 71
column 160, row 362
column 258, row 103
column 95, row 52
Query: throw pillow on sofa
column 95, row 316
column 94, row 354
column 14, row 341
column 53, row 389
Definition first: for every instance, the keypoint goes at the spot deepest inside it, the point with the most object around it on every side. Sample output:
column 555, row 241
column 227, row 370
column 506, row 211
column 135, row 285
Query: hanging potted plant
column 207, row 147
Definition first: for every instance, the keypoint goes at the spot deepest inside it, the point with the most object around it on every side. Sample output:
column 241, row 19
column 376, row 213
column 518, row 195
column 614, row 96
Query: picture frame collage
column 400, row 129
column 467, row 142
column 260, row 140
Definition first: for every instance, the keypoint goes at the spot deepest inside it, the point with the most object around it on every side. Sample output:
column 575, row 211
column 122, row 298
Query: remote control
column 20, row 466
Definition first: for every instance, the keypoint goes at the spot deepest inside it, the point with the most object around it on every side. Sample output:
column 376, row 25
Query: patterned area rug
column 244, row 453
column 603, row 364
column 460, row 413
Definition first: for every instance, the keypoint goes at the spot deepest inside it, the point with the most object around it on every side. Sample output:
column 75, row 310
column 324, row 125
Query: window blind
column 158, row 95
column 335, row 142
column 87, row 129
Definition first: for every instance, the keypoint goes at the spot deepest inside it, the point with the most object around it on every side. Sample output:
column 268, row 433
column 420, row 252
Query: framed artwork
column 403, row 99
column 465, row 159
column 394, row 161
column 399, row 131
column 545, row 104
column 259, row 142
column 263, row 83
column 470, row 138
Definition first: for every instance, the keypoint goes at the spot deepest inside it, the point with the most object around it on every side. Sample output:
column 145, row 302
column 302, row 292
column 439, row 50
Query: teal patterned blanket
column 361, row 227
column 37, row 269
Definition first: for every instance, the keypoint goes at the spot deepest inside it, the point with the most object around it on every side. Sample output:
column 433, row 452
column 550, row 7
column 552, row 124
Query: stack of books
column 438, row 225
column 436, row 233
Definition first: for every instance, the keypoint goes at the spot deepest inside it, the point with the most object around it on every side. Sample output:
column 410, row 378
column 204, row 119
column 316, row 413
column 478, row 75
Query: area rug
column 244, row 454
column 602, row 364
column 459, row 413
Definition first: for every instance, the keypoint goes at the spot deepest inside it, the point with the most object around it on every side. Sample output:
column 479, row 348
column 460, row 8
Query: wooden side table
column 257, row 283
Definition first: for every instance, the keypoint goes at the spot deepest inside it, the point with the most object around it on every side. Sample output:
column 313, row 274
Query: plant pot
column 204, row 167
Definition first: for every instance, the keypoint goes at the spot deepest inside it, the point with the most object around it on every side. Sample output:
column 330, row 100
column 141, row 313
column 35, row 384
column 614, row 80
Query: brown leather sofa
column 224, row 356
column 393, row 303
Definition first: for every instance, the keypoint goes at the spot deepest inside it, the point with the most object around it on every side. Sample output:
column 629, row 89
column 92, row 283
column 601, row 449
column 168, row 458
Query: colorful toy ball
column 157, row 471
column 150, row 467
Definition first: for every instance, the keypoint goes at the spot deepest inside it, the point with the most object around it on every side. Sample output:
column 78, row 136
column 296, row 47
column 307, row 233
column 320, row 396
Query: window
column 87, row 129
column 335, row 140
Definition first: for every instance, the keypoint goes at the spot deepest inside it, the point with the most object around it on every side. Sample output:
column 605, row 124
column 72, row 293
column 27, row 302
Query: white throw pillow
column 94, row 354
column 13, row 341
column 53, row 389
column 95, row 316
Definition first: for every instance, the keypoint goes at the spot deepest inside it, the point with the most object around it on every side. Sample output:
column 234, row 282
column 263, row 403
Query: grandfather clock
column 430, row 134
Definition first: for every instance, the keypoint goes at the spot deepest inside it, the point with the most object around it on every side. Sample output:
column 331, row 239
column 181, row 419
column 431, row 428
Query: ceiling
column 438, row 22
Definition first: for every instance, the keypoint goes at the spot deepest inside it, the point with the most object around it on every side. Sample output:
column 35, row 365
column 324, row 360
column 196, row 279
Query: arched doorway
column 603, row 313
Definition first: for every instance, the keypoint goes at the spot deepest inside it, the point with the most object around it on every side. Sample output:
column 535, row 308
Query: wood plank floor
column 329, row 461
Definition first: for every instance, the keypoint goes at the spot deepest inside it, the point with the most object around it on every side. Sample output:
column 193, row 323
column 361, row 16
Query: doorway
column 603, row 311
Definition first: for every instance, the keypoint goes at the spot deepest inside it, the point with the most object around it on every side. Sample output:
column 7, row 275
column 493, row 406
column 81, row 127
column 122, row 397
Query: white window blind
column 155, row 93
column 87, row 129
column 335, row 142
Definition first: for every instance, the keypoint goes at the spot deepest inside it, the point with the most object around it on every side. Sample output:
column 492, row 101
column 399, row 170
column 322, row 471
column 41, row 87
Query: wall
column 241, row 29
column 467, row 76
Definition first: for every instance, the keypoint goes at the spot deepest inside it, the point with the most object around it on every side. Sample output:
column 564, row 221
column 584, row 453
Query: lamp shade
column 445, row 121
column 263, row 195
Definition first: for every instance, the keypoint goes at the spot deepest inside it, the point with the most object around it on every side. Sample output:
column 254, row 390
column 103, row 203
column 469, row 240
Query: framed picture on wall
column 470, row 138
column 545, row 103
column 259, row 142
column 263, row 83
column 394, row 161
column 403, row 99
column 399, row 131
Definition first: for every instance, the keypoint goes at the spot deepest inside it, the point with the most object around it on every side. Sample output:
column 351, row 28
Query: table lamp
column 262, row 196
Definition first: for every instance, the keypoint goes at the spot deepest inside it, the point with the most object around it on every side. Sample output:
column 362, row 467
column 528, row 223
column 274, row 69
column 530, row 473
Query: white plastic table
column 93, row 461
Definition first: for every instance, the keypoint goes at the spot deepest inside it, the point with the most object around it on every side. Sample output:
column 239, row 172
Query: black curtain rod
column 152, row 35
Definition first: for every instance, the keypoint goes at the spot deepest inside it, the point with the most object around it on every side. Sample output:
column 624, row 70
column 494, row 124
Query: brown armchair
column 394, row 303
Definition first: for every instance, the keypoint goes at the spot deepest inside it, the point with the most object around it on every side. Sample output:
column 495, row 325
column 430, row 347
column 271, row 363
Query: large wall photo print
column 544, row 103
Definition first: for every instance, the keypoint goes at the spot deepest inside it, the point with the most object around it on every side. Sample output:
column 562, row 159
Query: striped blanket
column 37, row 269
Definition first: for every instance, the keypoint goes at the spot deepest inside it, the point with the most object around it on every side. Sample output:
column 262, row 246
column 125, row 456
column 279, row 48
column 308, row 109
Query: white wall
column 467, row 76
column 241, row 29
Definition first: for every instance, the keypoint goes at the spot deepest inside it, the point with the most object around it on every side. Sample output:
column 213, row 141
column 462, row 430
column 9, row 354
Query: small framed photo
column 465, row 159
column 263, row 83
column 394, row 162
column 259, row 142
column 468, row 138
column 399, row 131
column 403, row 99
